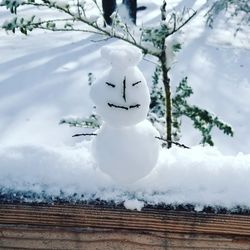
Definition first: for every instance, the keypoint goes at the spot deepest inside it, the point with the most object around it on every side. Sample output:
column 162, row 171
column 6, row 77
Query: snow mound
column 199, row 176
column 41, row 168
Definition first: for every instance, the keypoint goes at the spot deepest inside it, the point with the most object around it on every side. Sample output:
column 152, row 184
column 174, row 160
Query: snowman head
column 121, row 96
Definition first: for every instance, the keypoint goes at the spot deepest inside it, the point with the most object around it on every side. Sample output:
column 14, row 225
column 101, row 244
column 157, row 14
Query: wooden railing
column 68, row 227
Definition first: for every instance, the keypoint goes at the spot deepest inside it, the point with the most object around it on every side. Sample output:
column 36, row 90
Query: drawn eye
column 135, row 83
column 110, row 84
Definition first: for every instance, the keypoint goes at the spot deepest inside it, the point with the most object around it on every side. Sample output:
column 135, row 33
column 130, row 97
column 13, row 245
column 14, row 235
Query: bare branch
column 175, row 21
column 163, row 10
column 101, row 40
column 148, row 60
column 182, row 25
column 68, row 29
column 100, row 30
column 175, row 143
column 127, row 30
column 85, row 134
column 78, row 8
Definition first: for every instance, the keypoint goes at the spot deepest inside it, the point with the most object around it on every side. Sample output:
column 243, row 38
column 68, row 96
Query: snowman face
column 122, row 97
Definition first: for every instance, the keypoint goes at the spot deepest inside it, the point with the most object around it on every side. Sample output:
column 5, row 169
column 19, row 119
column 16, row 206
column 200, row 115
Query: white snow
column 200, row 176
column 44, row 78
column 171, row 55
column 122, row 57
column 93, row 18
column 134, row 204
column 61, row 3
column 38, row 167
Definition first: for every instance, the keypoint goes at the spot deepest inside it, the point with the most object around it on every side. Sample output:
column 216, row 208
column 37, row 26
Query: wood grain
column 26, row 226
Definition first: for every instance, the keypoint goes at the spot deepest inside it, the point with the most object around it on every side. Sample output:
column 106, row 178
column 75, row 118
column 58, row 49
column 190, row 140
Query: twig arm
column 175, row 143
column 85, row 134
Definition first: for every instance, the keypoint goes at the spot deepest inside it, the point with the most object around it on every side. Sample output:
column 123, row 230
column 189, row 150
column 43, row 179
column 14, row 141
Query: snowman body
column 125, row 148
column 126, row 153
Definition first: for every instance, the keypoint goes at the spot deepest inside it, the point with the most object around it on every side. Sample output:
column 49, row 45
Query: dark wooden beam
column 43, row 226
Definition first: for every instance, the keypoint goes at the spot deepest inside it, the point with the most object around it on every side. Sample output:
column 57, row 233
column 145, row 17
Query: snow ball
column 134, row 204
column 198, row 208
column 122, row 56
column 127, row 154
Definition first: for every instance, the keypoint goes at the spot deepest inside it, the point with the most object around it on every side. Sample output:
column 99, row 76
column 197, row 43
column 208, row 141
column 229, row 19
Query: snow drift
column 199, row 176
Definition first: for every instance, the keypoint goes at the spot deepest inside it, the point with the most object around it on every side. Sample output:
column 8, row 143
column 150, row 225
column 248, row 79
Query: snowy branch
column 80, row 16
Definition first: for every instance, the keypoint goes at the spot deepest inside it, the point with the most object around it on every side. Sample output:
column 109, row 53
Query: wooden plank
column 47, row 238
column 152, row 220
column 26, row 226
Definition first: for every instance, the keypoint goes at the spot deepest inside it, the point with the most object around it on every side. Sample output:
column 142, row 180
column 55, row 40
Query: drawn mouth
column 111, row 105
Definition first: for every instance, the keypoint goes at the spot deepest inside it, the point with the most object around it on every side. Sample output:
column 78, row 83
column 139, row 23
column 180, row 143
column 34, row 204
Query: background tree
column 239, row 9
column 132, row 9
column 151, row 41
column 109, row 7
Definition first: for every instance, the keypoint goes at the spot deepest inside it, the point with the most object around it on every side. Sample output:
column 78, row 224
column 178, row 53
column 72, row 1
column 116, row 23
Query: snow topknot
column 122, row 56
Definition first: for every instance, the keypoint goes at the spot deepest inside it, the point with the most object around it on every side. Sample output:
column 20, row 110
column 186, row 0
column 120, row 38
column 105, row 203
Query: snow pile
column 41, row 168
column 199, row 176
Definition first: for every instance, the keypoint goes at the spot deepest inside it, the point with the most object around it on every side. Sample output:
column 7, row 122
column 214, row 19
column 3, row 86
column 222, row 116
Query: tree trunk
column 168, row 104
column 108, row 6
column 132, row 9
column 166, row 81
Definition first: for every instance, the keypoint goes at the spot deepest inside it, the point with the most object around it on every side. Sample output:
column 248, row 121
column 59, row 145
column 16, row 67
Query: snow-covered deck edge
column 29, row 198
column 89, row 226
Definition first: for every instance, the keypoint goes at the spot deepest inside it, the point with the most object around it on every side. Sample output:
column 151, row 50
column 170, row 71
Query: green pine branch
column 203, row 120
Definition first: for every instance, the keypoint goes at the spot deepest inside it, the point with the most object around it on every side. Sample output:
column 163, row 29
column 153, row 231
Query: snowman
column 125, row 147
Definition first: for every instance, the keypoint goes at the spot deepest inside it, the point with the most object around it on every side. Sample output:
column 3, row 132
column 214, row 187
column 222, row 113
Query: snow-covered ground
column 203, row 177
column 43, row 77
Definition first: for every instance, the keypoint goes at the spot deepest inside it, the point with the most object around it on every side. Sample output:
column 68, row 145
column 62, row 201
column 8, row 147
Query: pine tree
column 202, row 119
